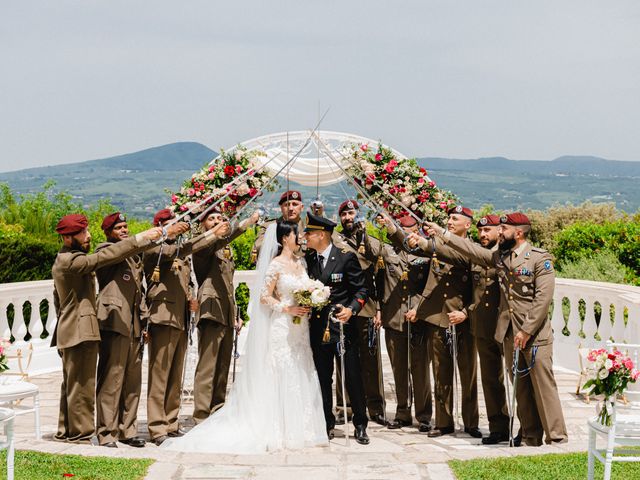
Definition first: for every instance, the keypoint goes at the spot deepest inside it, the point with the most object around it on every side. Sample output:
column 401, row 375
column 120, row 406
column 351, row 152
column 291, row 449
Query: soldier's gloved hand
column 416, row 240
column 177, row 228
column 153, row 233
column 146, row 336
column 433, row 229
column 386, row 221
column 222, row 229
column 410, row 316
column 457, row 317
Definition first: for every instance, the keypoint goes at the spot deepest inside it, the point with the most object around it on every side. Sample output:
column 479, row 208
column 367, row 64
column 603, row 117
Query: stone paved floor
column 391, row 454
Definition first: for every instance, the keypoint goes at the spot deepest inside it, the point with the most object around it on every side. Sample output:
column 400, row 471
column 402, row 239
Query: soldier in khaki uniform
column 169, row 300
column 445, row 300
column 216, row 320
column 526, row 278
column 77, row 334
column 354, row 238
column 483, row 314
column 291, row 207
column 121, row 315
column 405, row 276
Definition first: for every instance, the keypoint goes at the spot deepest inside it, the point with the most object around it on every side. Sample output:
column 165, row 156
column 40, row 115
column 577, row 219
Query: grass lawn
column 569, row 466
column 43, row 466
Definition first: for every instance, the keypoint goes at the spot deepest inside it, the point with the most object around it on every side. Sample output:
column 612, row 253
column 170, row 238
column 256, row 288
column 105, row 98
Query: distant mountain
column 136, row 182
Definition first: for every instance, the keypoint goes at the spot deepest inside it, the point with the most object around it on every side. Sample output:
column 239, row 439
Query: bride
column 275, row 402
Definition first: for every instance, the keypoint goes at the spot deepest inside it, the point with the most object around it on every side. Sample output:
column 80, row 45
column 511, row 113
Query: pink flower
column 183, row 208
column 393, row 163
column 443, row 205
column 238, row 168
column 364, row 147
column 191, row 192
column 389, row 168
column 174, row 198
column 378, row 157
column 211, row 176
column 420, row 180
column 212, row 168
column 253, row 192
column 628, row 363
column 432, row 184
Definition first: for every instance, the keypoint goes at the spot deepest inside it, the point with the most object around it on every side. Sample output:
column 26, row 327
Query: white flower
column 603, row 373
column 608, row 364
column 243, row 189
column 238, row 155
column 317, row 296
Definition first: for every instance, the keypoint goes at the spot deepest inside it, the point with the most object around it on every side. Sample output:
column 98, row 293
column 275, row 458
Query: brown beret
column 162, row 216
column 72, row 224
column 407, row 221
column 348, row 205
column 488, row 221
column 290, row 195
column 459, row 209
column 112, row 220
column 515, row 218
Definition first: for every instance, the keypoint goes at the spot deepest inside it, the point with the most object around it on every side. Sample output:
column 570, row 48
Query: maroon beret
column 162, row 216
column 459, row 209
column 290, row 195
column 407, row 221
column 515, row 218
column 72, row 224
column 488, row 221
column 348, row 205
column 112, row 220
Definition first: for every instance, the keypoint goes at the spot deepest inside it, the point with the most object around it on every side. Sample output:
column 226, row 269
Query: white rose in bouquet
column 603, row 373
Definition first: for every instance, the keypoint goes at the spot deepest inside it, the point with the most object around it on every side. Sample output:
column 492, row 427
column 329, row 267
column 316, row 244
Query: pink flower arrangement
column 4, row 363
column 614, row 371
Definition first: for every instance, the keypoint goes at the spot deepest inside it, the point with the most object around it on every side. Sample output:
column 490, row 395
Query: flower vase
column 605, row 411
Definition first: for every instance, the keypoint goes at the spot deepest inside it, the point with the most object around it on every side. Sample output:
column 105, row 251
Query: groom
column 340, row 270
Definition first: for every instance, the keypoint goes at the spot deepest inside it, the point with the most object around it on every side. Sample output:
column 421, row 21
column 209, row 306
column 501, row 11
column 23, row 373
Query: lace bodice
column 280, row 283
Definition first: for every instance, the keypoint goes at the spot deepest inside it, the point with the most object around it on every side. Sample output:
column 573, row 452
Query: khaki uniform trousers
column 443, row 372
column 167, row 347
column 371, row 369
column 492, row 377
column 77, row 393
column 215, row 347
column 119, row 384
column 539, row 408
column 397, row 349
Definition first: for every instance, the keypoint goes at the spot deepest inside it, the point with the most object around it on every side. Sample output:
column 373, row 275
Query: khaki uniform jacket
column 526, row 284
column 167, row 299
column 448, row 288
column 74, row 289
column 214, row 273
column 399, row 294
column 121, row 303
column 483, row 312
column 368, row 260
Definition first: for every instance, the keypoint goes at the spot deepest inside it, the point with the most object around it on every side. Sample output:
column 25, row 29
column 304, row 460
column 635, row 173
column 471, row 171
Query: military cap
column 290, row 195
column 348, row 205
column 515, row 218
column 488, row 221
column 459, row 209
column 407, row 221
column 162, row 216
column 112, row 220
column 72, row 224
column 316, row 222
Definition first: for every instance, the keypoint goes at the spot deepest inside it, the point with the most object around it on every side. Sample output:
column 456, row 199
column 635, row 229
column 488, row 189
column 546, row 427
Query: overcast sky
column 519, row 78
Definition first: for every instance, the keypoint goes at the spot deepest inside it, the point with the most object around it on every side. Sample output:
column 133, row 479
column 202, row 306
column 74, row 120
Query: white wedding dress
column 275, row 402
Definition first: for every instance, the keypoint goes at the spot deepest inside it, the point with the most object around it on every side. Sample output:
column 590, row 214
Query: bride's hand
column 297, row 310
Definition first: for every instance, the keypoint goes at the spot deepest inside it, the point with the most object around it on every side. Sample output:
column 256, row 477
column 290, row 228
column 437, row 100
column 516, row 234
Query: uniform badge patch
column 126, row 277
column 483, row 221
column 459, row 209
column 547, row 265
column 524, row 289
column 294, row 195
column 336, row 277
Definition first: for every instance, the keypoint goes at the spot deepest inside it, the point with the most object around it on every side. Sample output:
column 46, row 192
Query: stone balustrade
column 585, row 314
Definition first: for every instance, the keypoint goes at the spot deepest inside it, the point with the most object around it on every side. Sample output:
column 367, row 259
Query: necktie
column 320, row 263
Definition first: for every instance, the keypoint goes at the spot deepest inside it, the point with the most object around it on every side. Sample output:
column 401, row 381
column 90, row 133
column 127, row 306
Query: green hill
column 136, row 182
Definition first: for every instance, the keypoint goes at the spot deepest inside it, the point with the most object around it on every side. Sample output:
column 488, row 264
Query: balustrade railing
column 584, row 314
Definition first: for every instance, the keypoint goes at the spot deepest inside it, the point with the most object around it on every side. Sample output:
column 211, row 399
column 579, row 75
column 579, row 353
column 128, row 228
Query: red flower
column 423, row 171
column 364, row 147
column 432, row 184
column 229, row 171
column 253, row 192
column 174, row 198
column 212, row 168
column 238, row 168
column 443, row 205
column 378, row 157
column 389, row 168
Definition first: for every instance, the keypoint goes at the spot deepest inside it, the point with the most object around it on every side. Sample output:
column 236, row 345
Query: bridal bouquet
column 613, row 372
column 214, row 180
column 384, row 176
column 314, row 294
column 4, row 364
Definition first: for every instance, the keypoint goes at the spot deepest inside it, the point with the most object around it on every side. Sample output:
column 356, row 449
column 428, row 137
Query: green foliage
column 25, row 257
column 31, row 465
column 601, row 266
column 585, row 240
column 567, row 466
